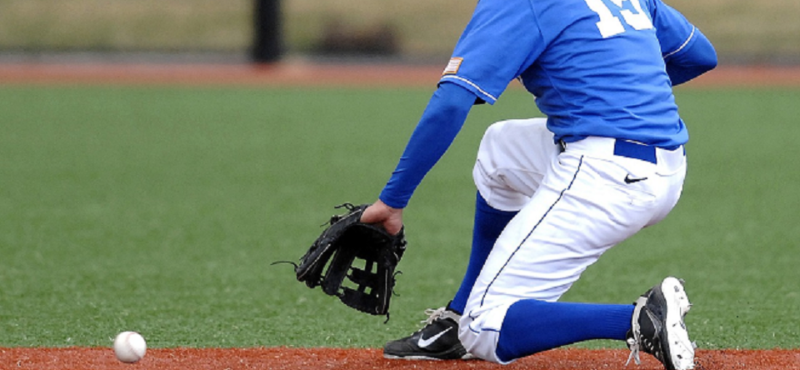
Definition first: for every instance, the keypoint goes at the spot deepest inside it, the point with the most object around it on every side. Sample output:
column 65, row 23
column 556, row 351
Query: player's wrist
column 392, row 202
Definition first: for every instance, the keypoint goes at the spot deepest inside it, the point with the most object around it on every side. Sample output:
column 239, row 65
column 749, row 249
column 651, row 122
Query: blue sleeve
column 436, row 130
column 501, row 40
column 686, row 51
column 696, row 58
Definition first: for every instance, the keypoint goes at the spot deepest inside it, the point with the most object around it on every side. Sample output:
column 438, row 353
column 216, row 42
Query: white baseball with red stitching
column 129, row 346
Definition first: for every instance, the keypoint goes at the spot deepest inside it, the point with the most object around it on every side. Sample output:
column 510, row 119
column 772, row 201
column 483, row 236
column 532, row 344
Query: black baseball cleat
column 657, row 326
column 437, row 340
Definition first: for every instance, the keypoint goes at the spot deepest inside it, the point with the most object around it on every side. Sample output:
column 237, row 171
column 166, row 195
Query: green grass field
column 160, row 210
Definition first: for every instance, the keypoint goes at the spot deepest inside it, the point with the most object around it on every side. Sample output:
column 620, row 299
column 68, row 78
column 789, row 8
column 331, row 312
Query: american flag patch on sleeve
column 453, row 66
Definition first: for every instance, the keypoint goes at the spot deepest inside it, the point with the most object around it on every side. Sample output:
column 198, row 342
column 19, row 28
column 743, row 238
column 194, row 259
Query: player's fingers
column 379, row 213
column 371, row 215
column 393, row 225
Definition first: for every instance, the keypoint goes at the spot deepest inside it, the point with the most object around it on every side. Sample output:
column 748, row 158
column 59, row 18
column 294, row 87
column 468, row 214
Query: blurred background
column 413, row 31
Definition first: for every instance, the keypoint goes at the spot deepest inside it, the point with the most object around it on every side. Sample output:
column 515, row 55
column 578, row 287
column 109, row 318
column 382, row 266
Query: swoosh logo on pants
column 427, row 342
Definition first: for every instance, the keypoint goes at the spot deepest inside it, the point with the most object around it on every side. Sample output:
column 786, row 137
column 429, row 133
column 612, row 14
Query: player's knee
column 494, row 131
column 515, row 127
column 478, row 342
column 507, row 136
column 490, row 152
column 470, row 340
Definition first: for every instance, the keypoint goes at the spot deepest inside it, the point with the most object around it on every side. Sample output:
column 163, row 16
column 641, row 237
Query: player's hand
column 380, row 213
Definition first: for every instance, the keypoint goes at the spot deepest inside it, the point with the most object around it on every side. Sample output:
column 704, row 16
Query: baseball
column 129, row 346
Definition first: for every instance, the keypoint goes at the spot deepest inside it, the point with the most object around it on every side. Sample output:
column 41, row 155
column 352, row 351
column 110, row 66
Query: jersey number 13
column 611, row 25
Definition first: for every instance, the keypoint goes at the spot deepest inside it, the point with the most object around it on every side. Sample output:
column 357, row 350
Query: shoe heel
column 680, row 295
column 680, row 346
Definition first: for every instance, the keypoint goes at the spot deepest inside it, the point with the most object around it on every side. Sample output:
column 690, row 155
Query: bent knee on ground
column 479, row 334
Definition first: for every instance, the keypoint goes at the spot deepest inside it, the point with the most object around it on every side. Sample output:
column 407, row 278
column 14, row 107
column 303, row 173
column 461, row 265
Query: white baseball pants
column 574, row 204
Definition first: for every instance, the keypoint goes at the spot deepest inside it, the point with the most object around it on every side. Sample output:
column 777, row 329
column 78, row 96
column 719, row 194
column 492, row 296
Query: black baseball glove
column 366, row 255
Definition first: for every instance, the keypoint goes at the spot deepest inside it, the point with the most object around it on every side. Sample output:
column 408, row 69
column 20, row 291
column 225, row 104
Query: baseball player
column 555, row 193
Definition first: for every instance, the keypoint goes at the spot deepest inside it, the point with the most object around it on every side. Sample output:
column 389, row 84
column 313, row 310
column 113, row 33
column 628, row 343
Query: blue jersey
column 596, row 67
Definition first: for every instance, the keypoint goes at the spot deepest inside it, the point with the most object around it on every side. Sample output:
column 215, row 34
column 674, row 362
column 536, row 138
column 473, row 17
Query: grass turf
column 160, row 210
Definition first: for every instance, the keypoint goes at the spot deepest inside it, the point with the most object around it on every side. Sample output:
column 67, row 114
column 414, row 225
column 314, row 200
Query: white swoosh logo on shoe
column 427, row 342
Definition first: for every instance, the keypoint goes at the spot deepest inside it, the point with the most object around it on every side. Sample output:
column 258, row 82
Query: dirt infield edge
column 283, row 358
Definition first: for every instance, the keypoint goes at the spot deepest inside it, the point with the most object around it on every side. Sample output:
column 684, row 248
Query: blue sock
column 489, row 223
column 532, row 326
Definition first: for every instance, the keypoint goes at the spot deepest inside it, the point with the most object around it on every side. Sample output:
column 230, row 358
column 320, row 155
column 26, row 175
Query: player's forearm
column 697, row 58
column 438, row 127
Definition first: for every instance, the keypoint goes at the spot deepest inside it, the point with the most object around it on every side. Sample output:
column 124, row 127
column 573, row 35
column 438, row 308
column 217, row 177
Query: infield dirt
column 280, row 358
